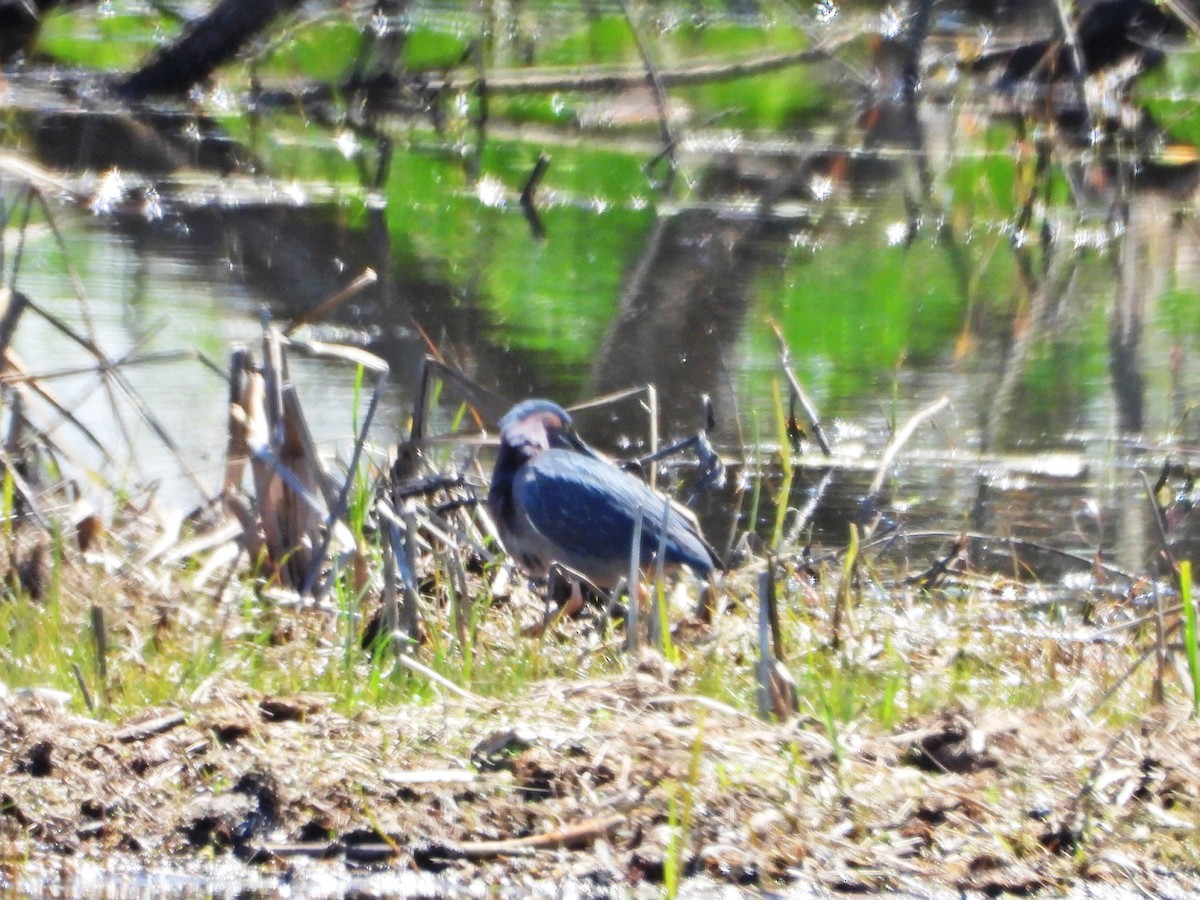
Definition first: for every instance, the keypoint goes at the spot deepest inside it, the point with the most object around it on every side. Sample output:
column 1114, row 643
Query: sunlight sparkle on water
column 222, row 100
column 897, row 233
column 294, row 193
column 825, row 11
column 891, row 23
column 1090, row 238
column 152, row 205
column 347, row 144
column 110, row 190
column 821, row 187
column 490, row 191
column 381, row 25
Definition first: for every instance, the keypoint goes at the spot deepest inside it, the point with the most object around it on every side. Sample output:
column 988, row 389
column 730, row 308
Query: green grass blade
column 1189, row 632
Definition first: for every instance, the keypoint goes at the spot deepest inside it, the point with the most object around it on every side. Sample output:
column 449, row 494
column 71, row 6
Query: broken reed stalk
column 773, row 613
column 28, row 385
column 763, row 670
column 458, row 598
column 652, row 404
column 104, row 368
column 83, row 688
column 410, row 611
column 1016, row 543
column 128, row 361
column 237, row 447
column 805, row 514
column 15, row 303
column 1128, row 673
column 635, row 562
column 390, row 611
column 401, row 540
column 100, row 649
column 490, row 404
column 1158, row 690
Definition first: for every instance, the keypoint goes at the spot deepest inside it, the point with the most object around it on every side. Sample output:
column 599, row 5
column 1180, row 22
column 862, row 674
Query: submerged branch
column 627, row 78
column 206, row 44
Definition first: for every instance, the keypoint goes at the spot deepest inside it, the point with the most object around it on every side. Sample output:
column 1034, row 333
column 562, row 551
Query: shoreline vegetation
column 854, row 721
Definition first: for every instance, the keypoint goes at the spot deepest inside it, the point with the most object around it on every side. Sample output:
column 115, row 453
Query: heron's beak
column 582, row 446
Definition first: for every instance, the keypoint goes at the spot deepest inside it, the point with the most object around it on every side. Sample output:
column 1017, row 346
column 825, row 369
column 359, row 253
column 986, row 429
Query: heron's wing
column 582, row 511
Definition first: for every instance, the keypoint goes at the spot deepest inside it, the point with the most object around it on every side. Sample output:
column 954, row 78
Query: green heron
column 556, row 502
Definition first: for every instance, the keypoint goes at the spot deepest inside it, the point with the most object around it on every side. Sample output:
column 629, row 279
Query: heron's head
column 536, row 425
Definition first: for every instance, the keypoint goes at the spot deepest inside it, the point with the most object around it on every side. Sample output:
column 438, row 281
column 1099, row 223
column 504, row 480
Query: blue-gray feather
column 580, row 512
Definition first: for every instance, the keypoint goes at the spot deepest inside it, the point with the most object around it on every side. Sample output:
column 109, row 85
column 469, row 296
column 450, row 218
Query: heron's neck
column 508, row 461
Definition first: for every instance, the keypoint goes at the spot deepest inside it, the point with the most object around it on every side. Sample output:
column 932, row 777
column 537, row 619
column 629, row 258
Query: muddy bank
column 608, row 787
